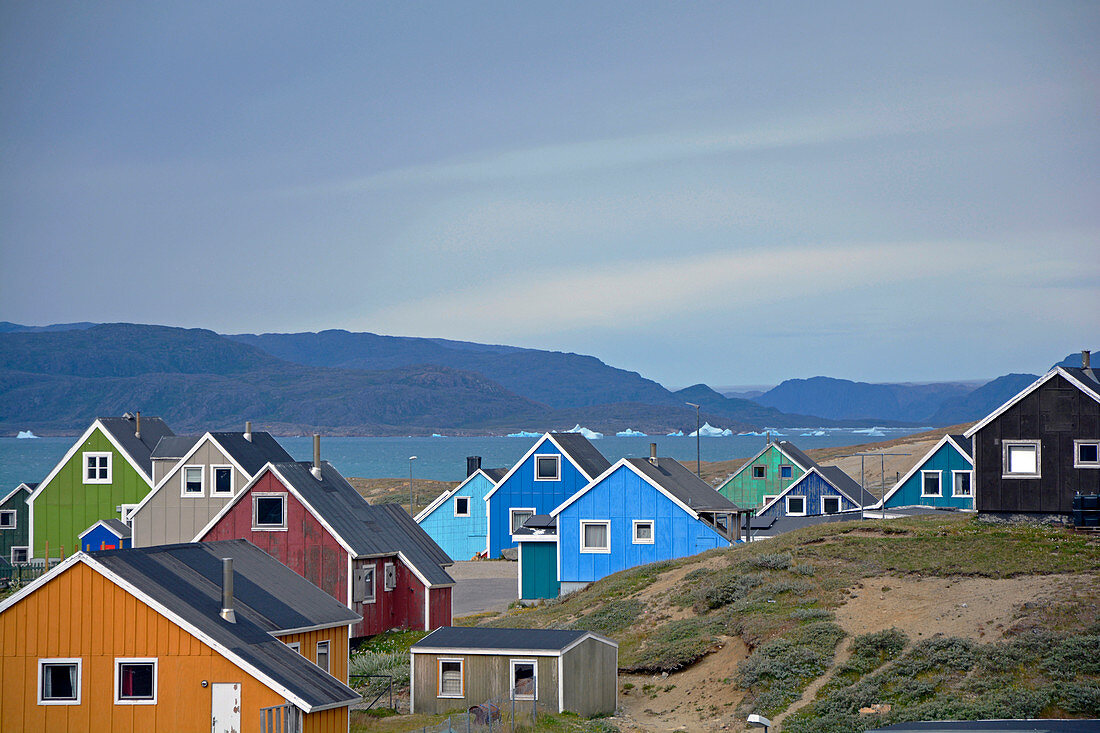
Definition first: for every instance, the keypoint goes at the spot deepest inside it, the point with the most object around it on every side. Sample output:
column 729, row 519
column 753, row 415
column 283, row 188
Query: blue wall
column 622, row 497
column 813, row 487
column 94, row 540
column 521, row 490
column 461, row 537
column 946, row 459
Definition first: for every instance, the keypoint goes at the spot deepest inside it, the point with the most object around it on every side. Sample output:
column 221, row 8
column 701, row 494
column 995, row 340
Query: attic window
column 7, row 519
column 796, row 506
column 830, row 504
column 462, row 506
column 930, row 483
column 547, row 468
column 786, row 472
column 97, row 468
column 269, row 511
column 192, row 481
column 1020, row 459
column 1086, row 454
column 758, row 471
column 221, row 480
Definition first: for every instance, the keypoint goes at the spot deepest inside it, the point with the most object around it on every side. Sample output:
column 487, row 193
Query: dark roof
column 997, row 726
column 479, row 637
column 762, row 522
column 175, row 446
column 268, row 597
column 787, row 524
column 1086, row 376
column 847, row 484
column 796, row 453
column 495, row 474
column 139, row 449
column 677, row 480
column 582, row 452
column 253, row 454
column 541, row 521
column 965, row 443
column 385, row 529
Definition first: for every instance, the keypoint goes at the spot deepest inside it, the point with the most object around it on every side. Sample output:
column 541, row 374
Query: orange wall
column 337, row 651
column 82, row 614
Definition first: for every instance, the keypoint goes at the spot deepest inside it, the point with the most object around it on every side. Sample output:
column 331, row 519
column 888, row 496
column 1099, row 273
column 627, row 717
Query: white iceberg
column 436, row 435
column 628, row 433
column 874, row 432
column 590, row 434
column 814, row 434
column 677, row 434
column 25, row 435
column 709, row 431
column 524, row 434
column 751, row 433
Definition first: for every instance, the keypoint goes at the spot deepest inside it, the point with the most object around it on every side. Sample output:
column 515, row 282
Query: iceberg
column 751, row 433
column 25, row 435
column 436, row 435
column 813, row 434
column 590, row 434
column 709, row 431
column 874, row 432
column 677, row 434
column 628, row 433
column 524, row 434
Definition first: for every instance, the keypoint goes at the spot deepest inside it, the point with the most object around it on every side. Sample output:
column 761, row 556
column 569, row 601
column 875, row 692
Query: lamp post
column 412, row 500
column 698, row 464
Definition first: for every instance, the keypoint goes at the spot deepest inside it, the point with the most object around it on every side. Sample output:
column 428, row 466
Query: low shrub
column 611, row 617
column 774, row 561
column 676, row 645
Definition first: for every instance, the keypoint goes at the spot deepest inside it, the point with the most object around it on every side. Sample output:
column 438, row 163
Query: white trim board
column 182, row 461
column 1091, row 392
column 622, row 462
column 802, row 478
column 426, row 511
column 531, row 452
column 917, row 467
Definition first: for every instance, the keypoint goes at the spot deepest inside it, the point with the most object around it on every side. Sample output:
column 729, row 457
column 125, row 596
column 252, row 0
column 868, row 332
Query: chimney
column 137, row 425
column 316, row 470
column 1086, row 356
column 473, row 465
column 767, row 437
column 653, row 453
column 248, row 430
column 227, row 591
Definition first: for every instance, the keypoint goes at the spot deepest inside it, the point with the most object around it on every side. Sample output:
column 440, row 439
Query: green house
column 107, row 472
column 14, row 524
column 766, row 475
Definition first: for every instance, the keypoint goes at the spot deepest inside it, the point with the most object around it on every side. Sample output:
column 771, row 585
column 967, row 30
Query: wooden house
column 170, row 639
column 1038, row 449
column 557, row 466
column 766, row 475
column 374, row 559
column 106, row 473
column 459, row 667
column 942, row 478
column 205, row 473
column 821, row 490
column 106, row 534
column 15, row 524
column 456, row 519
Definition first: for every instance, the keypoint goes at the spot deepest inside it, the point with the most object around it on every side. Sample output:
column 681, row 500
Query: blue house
column 106, row 534
column 457, row 520
column 821, row 490
column 944, row 477
column 557, row 466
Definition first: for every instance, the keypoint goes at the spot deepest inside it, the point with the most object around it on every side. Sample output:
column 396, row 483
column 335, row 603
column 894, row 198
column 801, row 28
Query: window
column 547, row 468
column 221, row 481
column 830, row 504
column 192, row 481
column 269, row 511
column 296, row 646
column 322, row 655
column 135, row 681
column 796, row 506
column 766, row 499
column 960, row 483
column 758, row 471
column 126, row 514
column 519, row 516
column 7, row 519
column 524, row 679
column 97, row 468
column 59, row 681
column 643, row 532
column 595, row 536
column 20, row 555
column 1020, row 459
column 362, row 585
column 786, row 472
column 930, row 483
column 462, row 506
column 451, row 681
column 1086, row 454
column 389, row 577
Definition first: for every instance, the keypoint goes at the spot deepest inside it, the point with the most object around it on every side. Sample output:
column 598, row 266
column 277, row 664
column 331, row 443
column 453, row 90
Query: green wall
column 16, row 537
column 748, row 492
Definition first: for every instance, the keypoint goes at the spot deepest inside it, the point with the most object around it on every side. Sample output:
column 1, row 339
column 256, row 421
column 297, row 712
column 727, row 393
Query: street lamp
column 759, row 721
column 412, row 500
column 698, row 465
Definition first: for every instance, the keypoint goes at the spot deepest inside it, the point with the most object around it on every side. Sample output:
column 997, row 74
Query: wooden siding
column 439, row 607
column 945, row 460
column 622, row 497
column 102, row 538
column 16, row 536
column 590, row 675
column 169, row 517
column 1056, row 414
column 67, row 506
column 538, row 570
column 461, row 537
column 745, row 491
column 400, row 608
column 337, row 637
column 813, row 487
column 485, row 677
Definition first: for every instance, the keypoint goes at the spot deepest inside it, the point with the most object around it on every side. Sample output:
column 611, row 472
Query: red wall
column 439, row 606
column 402, row 607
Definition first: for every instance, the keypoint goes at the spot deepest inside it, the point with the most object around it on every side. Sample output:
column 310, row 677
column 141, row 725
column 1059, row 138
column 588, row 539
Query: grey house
column 459, row 667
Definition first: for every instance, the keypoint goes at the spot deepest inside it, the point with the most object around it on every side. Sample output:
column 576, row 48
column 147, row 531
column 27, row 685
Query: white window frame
column 328, row 655
column 939, row 483
column 184, row 493
column 125, row 514
column 119, row 661
column 787, row 505
column 96, row 454
column 214, row 482
column 389, row 570
column 1077, row 462
column 634, row 531
column 839, row 504
column 42, row 662
column 596, row 550
column 11, row 557
column 14, row 519
column 1006, row 445
column 467, row 512
column 763, row 473
column 766, row 498
column 954, row 484
column 557, row 464
column 461, row 677
column 512, row 517
column 269, row 527
column 787, row 466
column 295, row 645
column 512, row 679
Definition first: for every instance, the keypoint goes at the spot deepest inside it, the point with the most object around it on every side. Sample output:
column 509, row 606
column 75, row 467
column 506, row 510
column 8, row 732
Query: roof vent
column 227, row 591
column 248, row 430
column 137, row 425
column 316, row 470
column 653, row 453
column 127, row 416
column 1086, row 356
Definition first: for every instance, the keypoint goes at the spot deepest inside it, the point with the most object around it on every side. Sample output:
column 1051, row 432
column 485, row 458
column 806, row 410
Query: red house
column 374, row 559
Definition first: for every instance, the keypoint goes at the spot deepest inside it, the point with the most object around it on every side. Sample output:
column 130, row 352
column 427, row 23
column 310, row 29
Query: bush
column 775, row 561
column 1080, row 699
column 611, row 617
column 778, row 671
column 804, row 569
column 676, row 645
column 811, row 614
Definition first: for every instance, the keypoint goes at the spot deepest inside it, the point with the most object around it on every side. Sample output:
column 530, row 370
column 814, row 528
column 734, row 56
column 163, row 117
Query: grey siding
column 161, row 467
column 169, row 517
column 590, row 671
column 486, row 677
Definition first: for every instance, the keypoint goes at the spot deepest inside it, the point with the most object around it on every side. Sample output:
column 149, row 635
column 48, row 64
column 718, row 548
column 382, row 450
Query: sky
column 732, row 193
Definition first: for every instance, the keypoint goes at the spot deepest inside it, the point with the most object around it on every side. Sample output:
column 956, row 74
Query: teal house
column 457, row 520
column 766, row 475
column 942, row 478
column 15, row 524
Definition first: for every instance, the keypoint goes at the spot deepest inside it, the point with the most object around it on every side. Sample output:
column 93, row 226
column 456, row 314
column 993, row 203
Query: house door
column 225, row 707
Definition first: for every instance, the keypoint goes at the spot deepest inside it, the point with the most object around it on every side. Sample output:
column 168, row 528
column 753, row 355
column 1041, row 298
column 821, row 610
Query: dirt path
column 843, row 652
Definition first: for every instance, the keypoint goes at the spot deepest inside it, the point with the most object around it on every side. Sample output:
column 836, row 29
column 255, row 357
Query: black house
column 1034, row 452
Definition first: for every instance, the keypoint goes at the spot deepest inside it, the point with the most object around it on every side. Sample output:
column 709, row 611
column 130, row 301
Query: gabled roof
column 21, row 487
column 1085, row 380
column 117, row 528
column 504, row 640
column 252, row 455
column 793, row 453
column 960, row 443
column 175, row 446
column 492, row 475
column 574, row 446
column 835, row 477
column 183, row 584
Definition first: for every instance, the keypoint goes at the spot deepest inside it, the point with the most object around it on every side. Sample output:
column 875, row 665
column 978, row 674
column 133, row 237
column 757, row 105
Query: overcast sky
column 734, row 193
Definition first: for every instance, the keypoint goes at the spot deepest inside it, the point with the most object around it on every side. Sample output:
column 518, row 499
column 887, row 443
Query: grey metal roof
column 847, row 484
column 582, row 452
column 541, row 521
column 1087, row 376
column 495, row 474
column 139, row 449
column 120, row 529
column 480, row 637
column 965, row 443
column 384, row 529
column 803, row 460
column 268, row 597
column 175, row 446
column 253, row 454
column 677, row 480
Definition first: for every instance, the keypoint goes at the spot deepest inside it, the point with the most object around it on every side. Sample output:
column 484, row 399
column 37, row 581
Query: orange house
column 196, row 637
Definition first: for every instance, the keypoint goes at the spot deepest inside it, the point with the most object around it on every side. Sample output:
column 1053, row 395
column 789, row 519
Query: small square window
column 596, row 536
column 960, row 484
column 830, row 504
column 451, row 678
column 20, row 555
column 7, row 519
column 135, row 681
column 462, row 506
column 796, row 505
column 221, row 479
column 547, row 468
column 758, row 471
column 643, row 532
column 192, row 480
column 269, row 511
column 1020, row 459
column 296, row 646
column 518, row 517
column 1086, row 454
column 97, row 468
column 59, row 681
column 786, row 472
column 322, row 655
column 930, row 483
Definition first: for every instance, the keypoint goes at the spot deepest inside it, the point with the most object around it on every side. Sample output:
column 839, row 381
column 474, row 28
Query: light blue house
column 637, row 512
column 457, row 520
column 557, row 466
column 944, row 477
column 821, row 490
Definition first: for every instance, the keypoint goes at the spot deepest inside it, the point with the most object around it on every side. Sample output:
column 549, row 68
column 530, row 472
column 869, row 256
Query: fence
column 378, row 685
column 281, row 719
column 499, row 715
column 18, row 575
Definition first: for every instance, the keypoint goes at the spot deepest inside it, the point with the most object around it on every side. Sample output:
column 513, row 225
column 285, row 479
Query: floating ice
column 709, row 431
column 876, row 432
column 436, row 435
column 677, row 434
column 750, row 433
column 25, row 434
column 814, row 434
column 628, row 433
column 590, row 434
column 524, row 434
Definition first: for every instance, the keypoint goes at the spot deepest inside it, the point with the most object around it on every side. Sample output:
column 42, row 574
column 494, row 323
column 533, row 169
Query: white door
column 225, row 707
